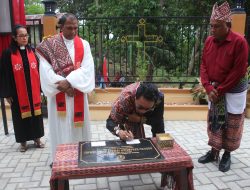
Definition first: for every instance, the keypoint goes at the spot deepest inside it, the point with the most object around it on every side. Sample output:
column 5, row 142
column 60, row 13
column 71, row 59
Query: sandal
column 39, row 144
column 23, row 147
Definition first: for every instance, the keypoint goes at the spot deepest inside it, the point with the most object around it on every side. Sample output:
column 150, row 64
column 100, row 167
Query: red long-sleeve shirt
column 224, row 62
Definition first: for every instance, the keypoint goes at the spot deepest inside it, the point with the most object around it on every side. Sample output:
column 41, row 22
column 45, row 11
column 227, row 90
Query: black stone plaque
column 117, row 152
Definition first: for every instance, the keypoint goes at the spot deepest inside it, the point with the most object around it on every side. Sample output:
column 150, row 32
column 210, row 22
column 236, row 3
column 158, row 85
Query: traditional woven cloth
column 65, row 166
column 55, row 52
column 225, row 129
column 217, row 116
column 221, row 12
column 229, row 138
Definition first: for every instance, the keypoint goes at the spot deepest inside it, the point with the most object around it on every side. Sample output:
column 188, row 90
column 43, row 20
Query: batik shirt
column 125, row 104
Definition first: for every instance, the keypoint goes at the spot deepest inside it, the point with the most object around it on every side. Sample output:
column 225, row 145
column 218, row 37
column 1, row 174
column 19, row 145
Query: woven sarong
column 230, row 137
column 217, row 116
column 225, row 129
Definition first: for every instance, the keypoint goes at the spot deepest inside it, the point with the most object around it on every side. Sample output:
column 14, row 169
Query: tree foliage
column 165, row 55
column 33, row 7
column 77, row 7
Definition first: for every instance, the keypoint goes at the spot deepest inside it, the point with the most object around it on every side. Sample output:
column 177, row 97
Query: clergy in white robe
column 61, row 128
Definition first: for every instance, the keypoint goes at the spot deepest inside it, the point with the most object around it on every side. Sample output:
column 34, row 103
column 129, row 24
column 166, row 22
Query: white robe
column 61, row 129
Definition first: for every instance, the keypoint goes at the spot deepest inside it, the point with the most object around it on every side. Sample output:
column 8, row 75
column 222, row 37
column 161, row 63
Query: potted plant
column 199, row 93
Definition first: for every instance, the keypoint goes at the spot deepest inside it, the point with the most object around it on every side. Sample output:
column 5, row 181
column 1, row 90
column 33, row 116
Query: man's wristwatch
column 117, row 130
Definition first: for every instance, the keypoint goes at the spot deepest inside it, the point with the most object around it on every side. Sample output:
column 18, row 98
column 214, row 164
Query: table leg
column 61, row 184
column 182, row 180
column 178, row 180
column 167, row 179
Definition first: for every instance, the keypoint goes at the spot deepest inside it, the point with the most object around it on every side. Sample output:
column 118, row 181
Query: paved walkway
column 31, row 171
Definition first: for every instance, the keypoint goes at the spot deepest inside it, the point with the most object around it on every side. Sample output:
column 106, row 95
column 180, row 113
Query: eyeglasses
column 142, row 108
column 23, row 36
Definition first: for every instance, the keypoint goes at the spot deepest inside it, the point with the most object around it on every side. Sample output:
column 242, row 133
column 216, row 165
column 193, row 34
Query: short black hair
column 16, row 27
column 63, row 19
column 13, row 43
column 148, row 90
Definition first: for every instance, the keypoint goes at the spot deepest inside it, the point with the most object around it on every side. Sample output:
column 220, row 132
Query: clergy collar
column 22, row 47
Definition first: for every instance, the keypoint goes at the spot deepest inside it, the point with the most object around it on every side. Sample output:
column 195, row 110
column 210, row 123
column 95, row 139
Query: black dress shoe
column 225, row 163
column 209, row 157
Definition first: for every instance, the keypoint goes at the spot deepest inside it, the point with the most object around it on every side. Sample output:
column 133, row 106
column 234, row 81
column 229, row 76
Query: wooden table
column 177, row 162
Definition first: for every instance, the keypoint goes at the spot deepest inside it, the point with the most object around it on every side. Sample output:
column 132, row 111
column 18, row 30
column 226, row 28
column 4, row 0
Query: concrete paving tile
column 127, row 188
column 233, row 186
column 129, row 183
column 90, row 180
column 29, row 185
column 117, row 178
column 32, row 169
column 244, row 183
column 87, row 186
column 10, row 186
column 218, row 183
column 76, row 181
column 4, row 183
column 230, row 178
column 145, row 187
column 134, row 177
column 37, row 176
column 202, row 178
column 102, row 182
column 114, row 186
column 206, row 187
column 19, row 179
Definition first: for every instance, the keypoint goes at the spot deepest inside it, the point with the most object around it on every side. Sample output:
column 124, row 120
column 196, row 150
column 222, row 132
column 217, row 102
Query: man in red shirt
column 223, row 74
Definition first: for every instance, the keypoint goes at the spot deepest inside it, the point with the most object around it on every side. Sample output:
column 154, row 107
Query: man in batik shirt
column 223, row 74
column 138, row 103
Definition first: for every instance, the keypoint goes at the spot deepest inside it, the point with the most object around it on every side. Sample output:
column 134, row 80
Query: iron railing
column 153, row 49
column 164, row 50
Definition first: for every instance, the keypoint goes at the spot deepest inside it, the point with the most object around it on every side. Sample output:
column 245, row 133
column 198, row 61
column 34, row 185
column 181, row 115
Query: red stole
column 78, row 96
column 21, row 87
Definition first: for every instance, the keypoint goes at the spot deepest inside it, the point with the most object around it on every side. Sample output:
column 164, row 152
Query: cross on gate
column 141, row 34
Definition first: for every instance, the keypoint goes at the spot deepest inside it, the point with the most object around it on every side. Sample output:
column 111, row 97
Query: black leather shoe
column 225, row 163
column 209, row 157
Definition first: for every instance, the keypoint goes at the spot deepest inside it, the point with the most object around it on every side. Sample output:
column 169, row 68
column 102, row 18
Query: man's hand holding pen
column 125, row 135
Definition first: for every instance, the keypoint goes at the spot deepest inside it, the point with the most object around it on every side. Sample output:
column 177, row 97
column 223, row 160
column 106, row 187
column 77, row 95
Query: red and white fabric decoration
column 221, row 12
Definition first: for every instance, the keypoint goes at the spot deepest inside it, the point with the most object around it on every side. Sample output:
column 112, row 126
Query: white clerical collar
column 22, row 47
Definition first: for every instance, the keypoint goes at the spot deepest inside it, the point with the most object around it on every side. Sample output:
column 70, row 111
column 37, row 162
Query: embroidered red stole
column 78, row 96
column 21, row 87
